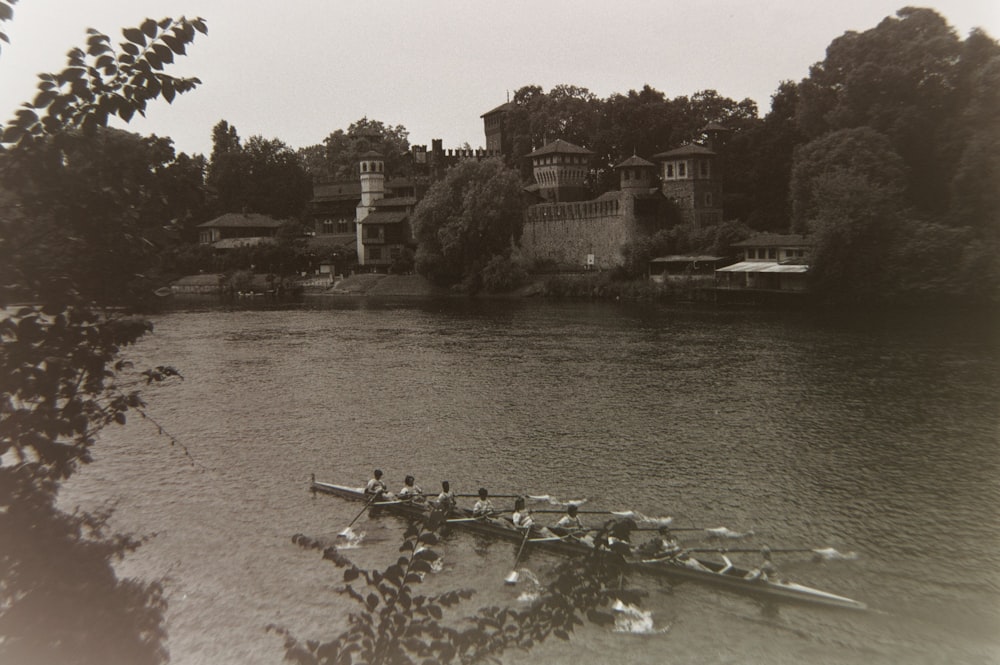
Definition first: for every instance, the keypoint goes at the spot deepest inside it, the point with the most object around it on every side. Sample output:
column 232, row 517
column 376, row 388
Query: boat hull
column 734, row 579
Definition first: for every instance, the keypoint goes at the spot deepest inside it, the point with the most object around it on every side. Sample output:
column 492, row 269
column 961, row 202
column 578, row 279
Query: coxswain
column 445, row 501
column 411, row 491
column 375, row 486
column 483, row 507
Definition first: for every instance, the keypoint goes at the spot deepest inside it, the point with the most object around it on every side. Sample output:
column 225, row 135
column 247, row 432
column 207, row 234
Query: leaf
column 44, row 98
column 176, row 45
column 164, row 53
column 149, row 27
column 371, row 601
column 435, row 611
column 351, row 574
column 134, row 35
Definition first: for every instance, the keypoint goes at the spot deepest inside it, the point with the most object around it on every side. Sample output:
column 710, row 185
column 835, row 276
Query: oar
column 619, row 513
column 478, row 518
column 532, row 497
column 347, row 529
column 492, row 496
column 718, row 531
column 512, row 578
column 826, row 552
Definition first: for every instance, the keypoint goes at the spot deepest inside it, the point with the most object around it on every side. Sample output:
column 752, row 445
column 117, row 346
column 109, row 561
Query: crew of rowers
column 613, row 536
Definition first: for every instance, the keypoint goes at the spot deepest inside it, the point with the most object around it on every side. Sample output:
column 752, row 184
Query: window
column 708, row 198
column 670, row 170
column 704, row 169
column 327, row 226
column 772, row 253
column 681, row 168
column 375, row 253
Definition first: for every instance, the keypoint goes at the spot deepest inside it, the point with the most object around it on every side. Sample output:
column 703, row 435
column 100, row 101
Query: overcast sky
column 300, row 69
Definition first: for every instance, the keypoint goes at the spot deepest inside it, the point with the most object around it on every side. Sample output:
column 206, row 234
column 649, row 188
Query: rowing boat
column 700, row 570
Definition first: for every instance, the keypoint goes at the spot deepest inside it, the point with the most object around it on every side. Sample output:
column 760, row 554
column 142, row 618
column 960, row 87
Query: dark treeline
column 887, row 153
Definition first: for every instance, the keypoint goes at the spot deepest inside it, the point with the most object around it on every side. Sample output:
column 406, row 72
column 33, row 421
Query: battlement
column 438, row 153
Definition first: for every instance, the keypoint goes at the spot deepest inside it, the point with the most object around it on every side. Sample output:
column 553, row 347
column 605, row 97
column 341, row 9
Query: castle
column 563, row 228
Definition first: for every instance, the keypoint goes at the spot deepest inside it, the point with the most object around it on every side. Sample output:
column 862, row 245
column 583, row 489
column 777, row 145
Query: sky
column 301, row 69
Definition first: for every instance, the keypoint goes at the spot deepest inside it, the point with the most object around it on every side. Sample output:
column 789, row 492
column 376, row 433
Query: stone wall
column 567, row 233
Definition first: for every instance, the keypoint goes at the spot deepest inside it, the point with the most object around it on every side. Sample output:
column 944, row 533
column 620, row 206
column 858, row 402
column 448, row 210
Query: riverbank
column 585, row 285
column 398, row 285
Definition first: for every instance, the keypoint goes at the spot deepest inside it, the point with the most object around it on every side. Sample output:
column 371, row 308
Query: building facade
column 565, row 230
column 769, row 262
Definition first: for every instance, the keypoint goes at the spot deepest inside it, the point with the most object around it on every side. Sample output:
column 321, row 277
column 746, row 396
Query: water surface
column 874, row 436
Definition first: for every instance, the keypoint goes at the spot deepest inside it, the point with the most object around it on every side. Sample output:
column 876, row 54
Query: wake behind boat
column 732, row 578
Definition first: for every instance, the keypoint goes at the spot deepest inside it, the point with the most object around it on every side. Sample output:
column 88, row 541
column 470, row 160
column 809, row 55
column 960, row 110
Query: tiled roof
column 384, row 217
column 679, row 258
column 690, row 149
column 776, row 240
column 635, row 161
column 242, row 220
column 560, row 147
column 506, row 106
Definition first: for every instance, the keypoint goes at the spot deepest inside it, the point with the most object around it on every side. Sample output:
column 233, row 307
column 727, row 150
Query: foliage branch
column 62, row 377
column 395, row 624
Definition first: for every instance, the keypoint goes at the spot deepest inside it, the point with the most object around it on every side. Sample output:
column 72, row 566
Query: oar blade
column 830, row 554
column 726, row 532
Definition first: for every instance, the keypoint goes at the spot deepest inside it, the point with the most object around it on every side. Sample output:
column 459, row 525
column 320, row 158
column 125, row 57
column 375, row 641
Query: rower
column 521, row 517
column 375, row 486
column 570, row 522
column 446, row 499
column 615, row 536
column 663, row 545
column 765, row 570
column 411, row 491
column 483, row 507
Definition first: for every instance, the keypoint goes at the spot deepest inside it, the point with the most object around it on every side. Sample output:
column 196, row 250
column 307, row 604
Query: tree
column 473, row 214
column 763, row 168
column 263, row 176
column 97, row 208
column 344, row 148
column 862, row 153
column 62, row 379
column 277, row 184
column 909, row 79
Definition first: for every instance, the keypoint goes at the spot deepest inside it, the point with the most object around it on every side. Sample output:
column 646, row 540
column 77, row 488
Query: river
column 872, row 435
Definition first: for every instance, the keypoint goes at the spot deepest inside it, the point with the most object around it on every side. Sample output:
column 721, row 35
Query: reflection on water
column 873, row 436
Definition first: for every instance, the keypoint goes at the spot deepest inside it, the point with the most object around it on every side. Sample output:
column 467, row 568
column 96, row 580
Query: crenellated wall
column 567, row 233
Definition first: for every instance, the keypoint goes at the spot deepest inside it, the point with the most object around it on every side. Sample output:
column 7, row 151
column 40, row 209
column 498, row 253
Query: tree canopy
column 340, row 154
column 903, row 117
column 78, row 205
column 263, row 175
column 475, row 213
